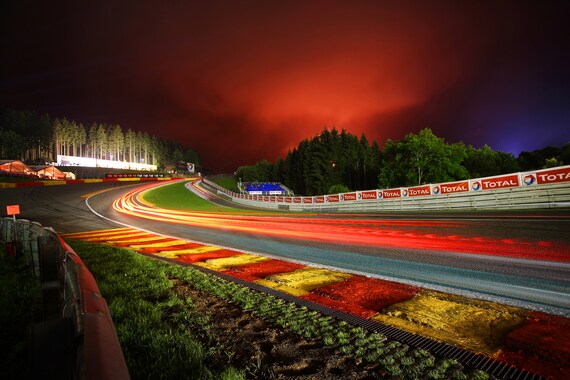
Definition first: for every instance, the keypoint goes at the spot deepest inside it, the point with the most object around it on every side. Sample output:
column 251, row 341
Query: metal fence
column 77, row 338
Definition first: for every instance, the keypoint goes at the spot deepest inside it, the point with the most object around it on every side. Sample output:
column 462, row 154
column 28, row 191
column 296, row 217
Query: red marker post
column 13, row 210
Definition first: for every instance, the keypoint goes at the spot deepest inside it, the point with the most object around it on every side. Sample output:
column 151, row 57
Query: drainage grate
column 499, row 369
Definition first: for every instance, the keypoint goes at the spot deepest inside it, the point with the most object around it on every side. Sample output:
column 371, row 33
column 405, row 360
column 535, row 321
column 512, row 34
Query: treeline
column 30, row 137
column 337, row 162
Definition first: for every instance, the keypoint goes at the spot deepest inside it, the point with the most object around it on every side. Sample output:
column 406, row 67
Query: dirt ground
column 268, row 352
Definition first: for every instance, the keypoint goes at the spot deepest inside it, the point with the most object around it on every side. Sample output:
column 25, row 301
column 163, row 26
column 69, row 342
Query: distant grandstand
column 264, row 188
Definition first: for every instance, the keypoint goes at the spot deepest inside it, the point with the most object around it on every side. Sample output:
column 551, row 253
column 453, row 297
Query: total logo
column 529, row 179
column 436, row 189
column 476, row 185
column 405, row 193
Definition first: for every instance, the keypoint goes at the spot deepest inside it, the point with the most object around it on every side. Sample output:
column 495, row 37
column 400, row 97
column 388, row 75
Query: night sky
column 241, row 81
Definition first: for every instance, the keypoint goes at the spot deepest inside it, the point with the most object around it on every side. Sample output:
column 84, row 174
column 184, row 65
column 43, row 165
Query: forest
column 34, row 138
column 334, row 162
column 330, row 162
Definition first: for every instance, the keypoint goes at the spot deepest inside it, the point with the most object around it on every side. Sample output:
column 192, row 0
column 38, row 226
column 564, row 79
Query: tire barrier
column 77, row 338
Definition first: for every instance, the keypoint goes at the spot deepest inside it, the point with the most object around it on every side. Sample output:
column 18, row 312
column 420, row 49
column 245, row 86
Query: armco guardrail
column 547, row 188
column 77, row 338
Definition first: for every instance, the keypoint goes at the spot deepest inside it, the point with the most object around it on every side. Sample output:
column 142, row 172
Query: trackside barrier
column 546, row 188
column 133, row 175
column 77, row 338
column 11, row 185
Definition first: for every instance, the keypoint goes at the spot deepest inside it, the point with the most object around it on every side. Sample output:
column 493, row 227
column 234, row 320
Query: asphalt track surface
column 535, row 283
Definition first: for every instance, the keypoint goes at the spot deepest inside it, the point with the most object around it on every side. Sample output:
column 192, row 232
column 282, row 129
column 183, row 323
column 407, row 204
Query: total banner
column 417, row 191
column 368, row 195
column 499, row 182
column 554, row 175
column 333, row 198
column 348, row 197
column 393, row 193
column 450, row 188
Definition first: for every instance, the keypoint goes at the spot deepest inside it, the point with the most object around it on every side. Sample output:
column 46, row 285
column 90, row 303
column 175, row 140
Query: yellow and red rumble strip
column 6, row 185
column 532, row 340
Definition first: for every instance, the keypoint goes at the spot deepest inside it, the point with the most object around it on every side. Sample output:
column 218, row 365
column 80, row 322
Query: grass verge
column 163, row 337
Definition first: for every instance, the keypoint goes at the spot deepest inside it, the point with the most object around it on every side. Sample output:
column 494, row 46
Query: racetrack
column 482, row 259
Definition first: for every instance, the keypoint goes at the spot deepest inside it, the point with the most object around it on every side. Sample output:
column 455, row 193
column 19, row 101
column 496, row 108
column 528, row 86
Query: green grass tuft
column 161, row 335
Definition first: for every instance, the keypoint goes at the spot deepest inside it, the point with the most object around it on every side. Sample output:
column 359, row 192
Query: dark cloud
column 244, row 81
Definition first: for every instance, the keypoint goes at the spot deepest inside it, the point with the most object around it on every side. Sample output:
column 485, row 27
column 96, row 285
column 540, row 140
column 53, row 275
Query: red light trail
column 421, row 311
column 403, row 234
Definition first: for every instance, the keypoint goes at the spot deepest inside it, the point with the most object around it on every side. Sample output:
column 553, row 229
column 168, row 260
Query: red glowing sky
column 241, row 81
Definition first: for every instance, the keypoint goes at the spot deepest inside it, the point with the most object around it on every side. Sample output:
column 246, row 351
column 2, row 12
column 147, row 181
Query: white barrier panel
column 98, row 163
column 546, row 188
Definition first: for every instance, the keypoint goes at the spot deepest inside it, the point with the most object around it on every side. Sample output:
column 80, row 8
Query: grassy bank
column 176, row 196
column 161, row 335
column 229, row 183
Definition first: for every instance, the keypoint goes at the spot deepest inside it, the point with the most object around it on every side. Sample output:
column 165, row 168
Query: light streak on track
column 446, row 297
column 399, row 234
